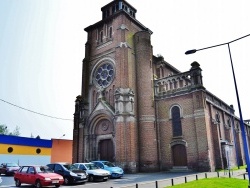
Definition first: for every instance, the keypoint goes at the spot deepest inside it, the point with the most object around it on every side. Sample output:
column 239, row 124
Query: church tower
column 114, row 115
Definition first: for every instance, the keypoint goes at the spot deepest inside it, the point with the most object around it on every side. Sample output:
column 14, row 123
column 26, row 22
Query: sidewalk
column 188, row 178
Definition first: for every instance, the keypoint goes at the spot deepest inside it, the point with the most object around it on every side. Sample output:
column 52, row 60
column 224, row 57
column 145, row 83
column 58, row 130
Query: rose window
column 104, row 75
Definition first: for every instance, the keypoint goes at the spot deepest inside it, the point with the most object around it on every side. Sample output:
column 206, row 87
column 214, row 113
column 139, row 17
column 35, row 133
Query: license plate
column 105, row 178
column 55, row 181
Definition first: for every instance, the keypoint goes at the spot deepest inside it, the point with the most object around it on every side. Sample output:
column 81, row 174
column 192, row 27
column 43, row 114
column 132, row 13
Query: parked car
column 9, row 168
column 38, row 176
column 94, row 172
column 115, row 171
column 70, row 173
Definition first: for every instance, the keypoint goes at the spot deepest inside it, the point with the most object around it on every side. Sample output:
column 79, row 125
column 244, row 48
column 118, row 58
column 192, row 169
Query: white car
column 95, row 173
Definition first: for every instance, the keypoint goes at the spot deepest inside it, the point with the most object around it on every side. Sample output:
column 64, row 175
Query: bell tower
column 115, row 116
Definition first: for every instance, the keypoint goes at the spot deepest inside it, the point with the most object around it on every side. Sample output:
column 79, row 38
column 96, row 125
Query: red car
column 38, row 176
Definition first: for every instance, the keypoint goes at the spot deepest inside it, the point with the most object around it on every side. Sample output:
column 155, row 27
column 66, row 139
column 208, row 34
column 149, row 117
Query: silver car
column 95, row 173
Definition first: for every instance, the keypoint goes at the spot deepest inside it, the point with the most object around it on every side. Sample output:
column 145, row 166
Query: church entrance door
column 106, row 149
column 179, row 155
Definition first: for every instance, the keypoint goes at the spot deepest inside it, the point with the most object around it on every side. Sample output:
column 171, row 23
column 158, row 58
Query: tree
column 16, row 131
column 4, row 130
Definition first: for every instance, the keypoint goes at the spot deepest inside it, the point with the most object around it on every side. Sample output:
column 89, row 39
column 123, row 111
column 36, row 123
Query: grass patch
column 234, row 168
column 214, row 183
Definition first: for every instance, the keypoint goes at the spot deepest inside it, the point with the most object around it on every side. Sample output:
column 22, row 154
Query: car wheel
column 18, row 183
column 91, row 178
column 66, row 181
column 57, row 185
column 38, row 184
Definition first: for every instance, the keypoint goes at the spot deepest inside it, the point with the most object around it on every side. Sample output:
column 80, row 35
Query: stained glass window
column 104, row 75
column 176, row 121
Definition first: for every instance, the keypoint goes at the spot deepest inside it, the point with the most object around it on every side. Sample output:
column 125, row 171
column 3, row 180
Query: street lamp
column 243, row 132
column 62, row 136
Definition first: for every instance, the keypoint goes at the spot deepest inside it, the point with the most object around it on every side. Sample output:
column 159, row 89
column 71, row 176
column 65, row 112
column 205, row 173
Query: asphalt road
column 128, row 180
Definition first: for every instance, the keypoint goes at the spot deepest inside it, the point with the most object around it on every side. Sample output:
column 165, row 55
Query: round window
column 104, row 75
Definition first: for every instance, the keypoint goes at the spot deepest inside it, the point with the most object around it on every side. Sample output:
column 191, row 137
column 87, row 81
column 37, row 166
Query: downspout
column 156, row 123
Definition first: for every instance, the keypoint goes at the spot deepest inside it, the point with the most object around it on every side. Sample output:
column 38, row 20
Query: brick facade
column 142, row 113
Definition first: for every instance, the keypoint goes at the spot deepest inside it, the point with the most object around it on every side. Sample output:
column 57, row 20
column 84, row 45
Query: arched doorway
column 106, row 150
column 104, row 136
column 179, row 155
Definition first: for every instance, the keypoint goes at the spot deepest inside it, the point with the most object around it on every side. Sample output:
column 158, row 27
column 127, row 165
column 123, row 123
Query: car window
column 51, row 166
column 24, row 169
column 91, row 166
column 82, row 167
column 31, row 170
column 43, row 169
column 11, row 165
column 70, row 166
column 73, row 167
column 109, row 164
column 58, row 167
column 99, row 164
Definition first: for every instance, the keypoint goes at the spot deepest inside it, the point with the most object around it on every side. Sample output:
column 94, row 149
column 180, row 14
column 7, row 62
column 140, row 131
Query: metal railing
column 185, row 179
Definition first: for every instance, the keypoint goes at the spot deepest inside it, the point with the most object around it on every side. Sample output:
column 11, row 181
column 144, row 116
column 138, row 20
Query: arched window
column 176, row 121
column 94, row 99
column 101, row 36
column 162, row 72
column 217, row 117
column 110, row 32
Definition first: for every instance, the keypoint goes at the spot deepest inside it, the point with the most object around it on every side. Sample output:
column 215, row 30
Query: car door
column 31, row 175
column 59, row 169
column 22, row 174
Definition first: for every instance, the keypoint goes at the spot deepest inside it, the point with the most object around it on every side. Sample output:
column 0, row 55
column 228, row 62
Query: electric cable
column 36, row 112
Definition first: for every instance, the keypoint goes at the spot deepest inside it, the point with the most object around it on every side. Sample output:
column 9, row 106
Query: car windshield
column 43, row 169
column 70, row 166
column 11, row 165
column 109, row 164
column 91, row 166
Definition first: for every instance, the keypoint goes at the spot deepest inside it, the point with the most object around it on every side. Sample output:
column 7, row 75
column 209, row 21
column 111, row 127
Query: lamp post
column 243, row 132
column 62, row 136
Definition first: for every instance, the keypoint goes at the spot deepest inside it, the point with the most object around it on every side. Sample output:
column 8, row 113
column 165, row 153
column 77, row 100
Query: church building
column 143, row 114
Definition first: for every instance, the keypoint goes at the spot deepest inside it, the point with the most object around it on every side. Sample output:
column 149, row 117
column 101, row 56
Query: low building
column 29, row 151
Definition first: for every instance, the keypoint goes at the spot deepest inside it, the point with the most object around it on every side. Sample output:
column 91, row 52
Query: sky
column 42, row 45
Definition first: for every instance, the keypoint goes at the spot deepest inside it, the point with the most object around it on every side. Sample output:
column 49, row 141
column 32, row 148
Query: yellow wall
column 23, row 150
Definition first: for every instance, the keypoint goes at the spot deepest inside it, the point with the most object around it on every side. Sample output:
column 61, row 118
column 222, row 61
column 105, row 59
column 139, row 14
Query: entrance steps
column 180, row 169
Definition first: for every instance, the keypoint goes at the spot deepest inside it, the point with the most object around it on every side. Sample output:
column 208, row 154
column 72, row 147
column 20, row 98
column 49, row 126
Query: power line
column 35, row 112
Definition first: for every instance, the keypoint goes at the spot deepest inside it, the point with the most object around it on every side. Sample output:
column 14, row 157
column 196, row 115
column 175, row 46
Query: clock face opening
column 104, row 75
